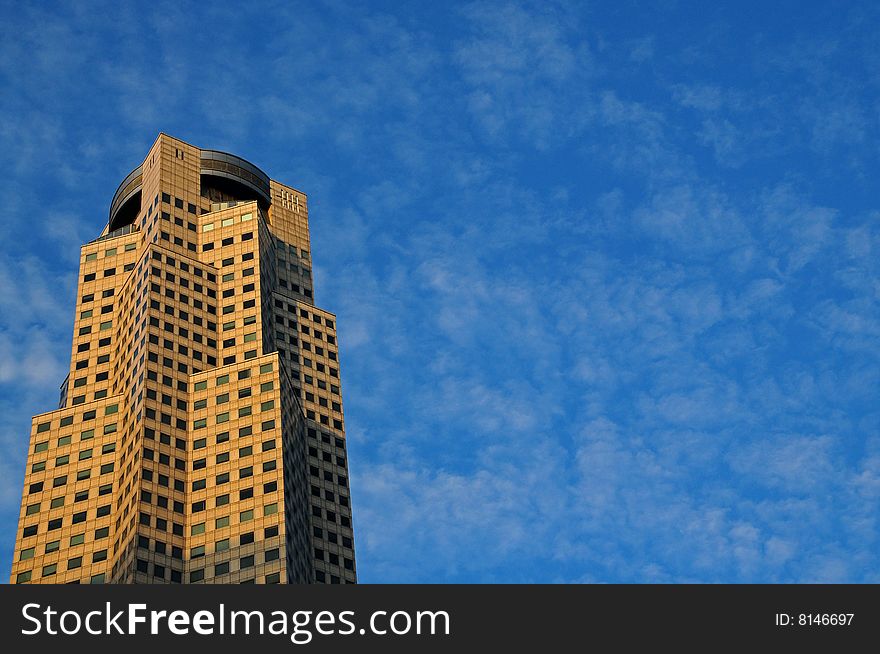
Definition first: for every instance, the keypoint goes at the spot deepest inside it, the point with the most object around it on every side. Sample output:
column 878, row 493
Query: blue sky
column 606, row 275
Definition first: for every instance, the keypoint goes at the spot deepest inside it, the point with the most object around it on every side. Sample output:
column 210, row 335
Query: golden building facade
column 199, row 436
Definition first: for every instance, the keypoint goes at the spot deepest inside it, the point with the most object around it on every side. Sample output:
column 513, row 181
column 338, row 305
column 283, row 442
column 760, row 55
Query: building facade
column 199, row 436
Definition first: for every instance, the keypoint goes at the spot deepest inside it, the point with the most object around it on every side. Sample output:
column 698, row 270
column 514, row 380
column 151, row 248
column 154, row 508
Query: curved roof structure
column 229, row 168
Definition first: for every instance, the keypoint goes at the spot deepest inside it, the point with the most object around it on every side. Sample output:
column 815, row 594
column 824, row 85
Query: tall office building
column 199, row 435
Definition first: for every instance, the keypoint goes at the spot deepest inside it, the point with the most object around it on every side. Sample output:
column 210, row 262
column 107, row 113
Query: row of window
column 79, row 496
column 66, row 421
column 55, row 545
column 181, row 298
column 111, row 252
column 330, row 516
column 183, row 265
column 57, row 523
column 184, row 282
column 52, row 569
column 197, row 355
column 61, row 480
column 176, row 577
column 244, row 563
column 316, row 318
column 294, row 287
column 226, row 222
column 178, row 202
column 221, row 545
column 64, row 459
column 89, row 297
column 77, row 518
column 84, row 363
column 230, row 240
column 221, row 380
column 333, row 559
column 108, row 272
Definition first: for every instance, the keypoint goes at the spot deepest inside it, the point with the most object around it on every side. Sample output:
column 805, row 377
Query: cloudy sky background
column 606, row 276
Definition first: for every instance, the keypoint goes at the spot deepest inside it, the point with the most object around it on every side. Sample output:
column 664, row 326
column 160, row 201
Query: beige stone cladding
column 200, row 436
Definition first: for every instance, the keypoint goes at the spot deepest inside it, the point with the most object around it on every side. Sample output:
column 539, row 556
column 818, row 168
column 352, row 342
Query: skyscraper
column 199, row 435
